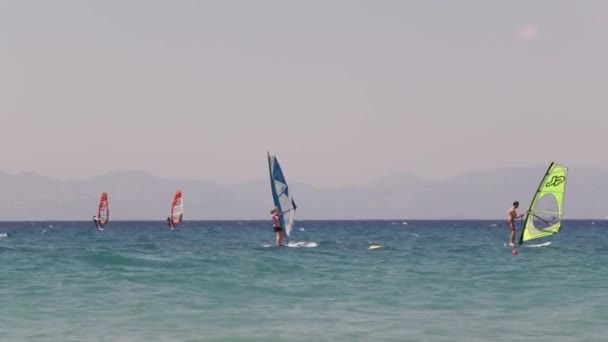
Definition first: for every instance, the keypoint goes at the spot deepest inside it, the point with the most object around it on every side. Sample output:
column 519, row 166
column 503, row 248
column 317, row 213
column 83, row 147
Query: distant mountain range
column 140, row 195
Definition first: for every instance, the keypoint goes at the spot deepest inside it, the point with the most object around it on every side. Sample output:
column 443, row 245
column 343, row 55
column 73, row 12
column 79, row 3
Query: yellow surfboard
column 374, row 247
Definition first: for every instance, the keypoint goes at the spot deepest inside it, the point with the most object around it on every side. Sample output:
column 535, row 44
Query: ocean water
column 220, row 281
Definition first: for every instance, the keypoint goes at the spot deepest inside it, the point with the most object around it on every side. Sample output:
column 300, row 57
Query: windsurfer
column 170, row 223
column 276, row 224
column 96, row 221
column 511, row 222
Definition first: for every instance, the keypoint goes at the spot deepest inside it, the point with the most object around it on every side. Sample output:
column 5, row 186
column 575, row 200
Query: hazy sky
column 343, row 91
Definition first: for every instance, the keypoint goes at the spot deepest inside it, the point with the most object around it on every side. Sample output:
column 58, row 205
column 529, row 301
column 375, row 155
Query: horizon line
column 299, row 220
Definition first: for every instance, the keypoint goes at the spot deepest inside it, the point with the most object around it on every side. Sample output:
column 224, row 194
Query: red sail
column 177, row 208
column 104, row 210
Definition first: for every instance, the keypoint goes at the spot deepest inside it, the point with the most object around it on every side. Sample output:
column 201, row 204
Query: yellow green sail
column 544, row 217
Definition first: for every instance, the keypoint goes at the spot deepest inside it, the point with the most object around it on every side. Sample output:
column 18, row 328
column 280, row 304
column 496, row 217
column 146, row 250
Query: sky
column 343, row 91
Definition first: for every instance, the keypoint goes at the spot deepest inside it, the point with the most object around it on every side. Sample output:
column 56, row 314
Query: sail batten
column 544, row 218
column 281, row 195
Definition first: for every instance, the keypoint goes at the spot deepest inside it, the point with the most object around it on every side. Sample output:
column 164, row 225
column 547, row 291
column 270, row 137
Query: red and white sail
column 103, row 212
column 177, row 208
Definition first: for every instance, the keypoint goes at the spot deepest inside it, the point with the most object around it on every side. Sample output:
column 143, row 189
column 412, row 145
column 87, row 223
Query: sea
column 225, row 281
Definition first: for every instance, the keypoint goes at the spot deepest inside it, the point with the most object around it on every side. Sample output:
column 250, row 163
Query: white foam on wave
column 297, row 244
column 3, row 235
column 302, row 244
column 404, row 223
column 301, row 229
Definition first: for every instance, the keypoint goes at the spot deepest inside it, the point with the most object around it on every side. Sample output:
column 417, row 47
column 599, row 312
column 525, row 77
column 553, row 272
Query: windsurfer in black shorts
column 276, row 225
column 511, row 216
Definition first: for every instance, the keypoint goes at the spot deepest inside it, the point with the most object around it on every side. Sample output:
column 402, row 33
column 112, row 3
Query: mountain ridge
column 141, row 195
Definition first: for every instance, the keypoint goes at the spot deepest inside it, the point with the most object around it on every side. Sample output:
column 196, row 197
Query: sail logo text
column 556, row 180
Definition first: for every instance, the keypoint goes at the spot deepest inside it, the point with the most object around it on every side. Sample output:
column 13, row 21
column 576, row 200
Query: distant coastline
column 480, row 195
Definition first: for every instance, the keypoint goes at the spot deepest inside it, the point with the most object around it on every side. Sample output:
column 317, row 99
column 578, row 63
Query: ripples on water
column 430, row 281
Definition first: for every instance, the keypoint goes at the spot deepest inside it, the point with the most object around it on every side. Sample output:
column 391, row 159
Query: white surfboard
column 545, row 244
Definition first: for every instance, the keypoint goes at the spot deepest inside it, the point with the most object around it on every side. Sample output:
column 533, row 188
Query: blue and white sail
column 281, row 195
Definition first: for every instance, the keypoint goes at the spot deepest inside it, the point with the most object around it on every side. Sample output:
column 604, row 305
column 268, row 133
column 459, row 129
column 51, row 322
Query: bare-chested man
column 276, row 224
column 511, row 222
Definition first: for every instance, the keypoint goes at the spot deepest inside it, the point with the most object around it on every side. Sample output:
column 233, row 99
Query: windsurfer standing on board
column 511, row 222
column 276, row 225
column 170, row 222
column 96, row 221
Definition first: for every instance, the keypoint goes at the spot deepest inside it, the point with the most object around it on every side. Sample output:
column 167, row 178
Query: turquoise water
column 219, row 281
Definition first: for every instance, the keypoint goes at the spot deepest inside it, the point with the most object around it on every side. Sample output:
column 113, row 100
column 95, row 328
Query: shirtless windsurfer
column 511, row 222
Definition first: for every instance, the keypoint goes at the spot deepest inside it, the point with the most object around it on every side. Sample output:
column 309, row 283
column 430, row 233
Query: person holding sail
column 170, row 223
column 276, row 224
column 97, row 220
column 511, row 222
